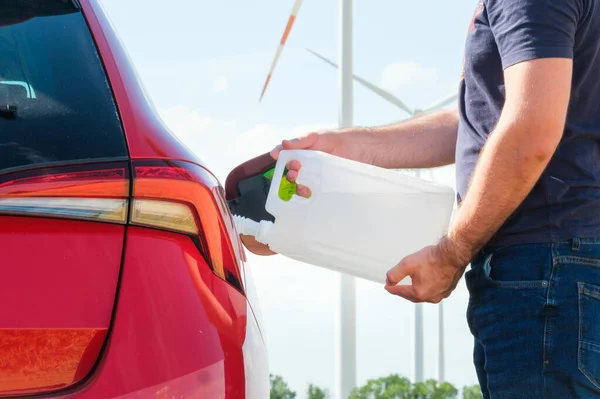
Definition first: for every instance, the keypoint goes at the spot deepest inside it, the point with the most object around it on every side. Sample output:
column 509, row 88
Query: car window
column 56, row 105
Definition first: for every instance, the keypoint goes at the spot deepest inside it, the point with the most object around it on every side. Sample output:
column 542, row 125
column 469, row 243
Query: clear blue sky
column 204, row 64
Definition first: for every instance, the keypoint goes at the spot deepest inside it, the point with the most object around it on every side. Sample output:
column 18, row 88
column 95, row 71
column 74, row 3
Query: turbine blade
column 286, row 33
column 377, row 90
column 441, row 103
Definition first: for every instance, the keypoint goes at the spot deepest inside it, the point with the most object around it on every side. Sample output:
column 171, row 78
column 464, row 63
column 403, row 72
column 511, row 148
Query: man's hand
column 434, row 270
column 343, row 143
column 329, row 141
column 326, row 141
column 515, row 155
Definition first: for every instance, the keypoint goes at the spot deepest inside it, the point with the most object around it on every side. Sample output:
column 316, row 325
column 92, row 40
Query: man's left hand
column 435, row 272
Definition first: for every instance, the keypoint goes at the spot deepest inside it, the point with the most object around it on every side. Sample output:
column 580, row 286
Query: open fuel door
column 246, row 190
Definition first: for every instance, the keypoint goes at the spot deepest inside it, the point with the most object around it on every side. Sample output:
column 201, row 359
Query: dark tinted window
column 55, row 101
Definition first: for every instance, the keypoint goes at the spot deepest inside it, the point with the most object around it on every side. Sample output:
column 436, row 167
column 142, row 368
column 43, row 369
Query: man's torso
column 565, row 202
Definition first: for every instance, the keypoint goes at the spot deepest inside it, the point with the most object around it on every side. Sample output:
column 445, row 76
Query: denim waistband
column 572, row 243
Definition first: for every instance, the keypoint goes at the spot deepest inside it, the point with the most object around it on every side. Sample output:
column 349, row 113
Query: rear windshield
column 55, row 102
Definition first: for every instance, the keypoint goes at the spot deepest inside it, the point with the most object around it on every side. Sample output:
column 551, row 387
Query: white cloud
column 182, row 119
column 209, row 138
column 253, row 142
column 223, row 144
column 403, row 74
column 220, row 84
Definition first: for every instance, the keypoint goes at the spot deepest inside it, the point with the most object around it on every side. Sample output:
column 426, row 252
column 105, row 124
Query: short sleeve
column 530, row 29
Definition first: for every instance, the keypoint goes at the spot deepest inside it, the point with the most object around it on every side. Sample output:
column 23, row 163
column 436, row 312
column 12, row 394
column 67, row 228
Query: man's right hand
column 333, row 142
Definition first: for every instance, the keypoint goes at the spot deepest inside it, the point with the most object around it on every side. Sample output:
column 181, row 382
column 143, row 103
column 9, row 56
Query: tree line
column 390, row 387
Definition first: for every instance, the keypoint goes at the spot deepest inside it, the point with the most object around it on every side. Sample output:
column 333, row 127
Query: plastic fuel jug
column 360, row 219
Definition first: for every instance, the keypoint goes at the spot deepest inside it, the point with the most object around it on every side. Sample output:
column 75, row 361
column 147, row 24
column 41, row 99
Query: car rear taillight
column 183, row 197
column 90, row 192
column 170, row 195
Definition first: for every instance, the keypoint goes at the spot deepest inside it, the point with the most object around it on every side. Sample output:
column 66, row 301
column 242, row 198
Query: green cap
column 287, row 189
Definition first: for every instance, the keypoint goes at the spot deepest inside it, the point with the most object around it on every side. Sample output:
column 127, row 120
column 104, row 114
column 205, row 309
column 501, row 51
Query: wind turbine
column 389, row 96
column 346, row 323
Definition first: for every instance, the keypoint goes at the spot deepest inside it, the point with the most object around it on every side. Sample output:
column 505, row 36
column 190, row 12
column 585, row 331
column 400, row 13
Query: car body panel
column 178, row 329
column 256, row 365
column 67, row 285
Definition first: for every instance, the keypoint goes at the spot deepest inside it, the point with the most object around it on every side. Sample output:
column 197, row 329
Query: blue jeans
column 534, row 310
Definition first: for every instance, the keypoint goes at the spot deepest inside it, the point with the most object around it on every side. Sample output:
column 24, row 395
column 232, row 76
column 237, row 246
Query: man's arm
column 514, row 157
column 517, row 151
column 426, row 141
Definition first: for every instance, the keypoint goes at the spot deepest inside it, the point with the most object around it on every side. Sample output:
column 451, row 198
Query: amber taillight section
column 183, row 197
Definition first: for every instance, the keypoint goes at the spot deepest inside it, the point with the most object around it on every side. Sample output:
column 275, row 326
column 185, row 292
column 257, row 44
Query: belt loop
column 576, row 244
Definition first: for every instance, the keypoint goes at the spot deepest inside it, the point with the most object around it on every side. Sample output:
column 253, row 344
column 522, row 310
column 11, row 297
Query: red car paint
column 178, row 329
column 153, row 319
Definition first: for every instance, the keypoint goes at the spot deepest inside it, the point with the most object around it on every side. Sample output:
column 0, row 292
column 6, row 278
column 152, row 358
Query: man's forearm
column 424, row 142
column 509, row 166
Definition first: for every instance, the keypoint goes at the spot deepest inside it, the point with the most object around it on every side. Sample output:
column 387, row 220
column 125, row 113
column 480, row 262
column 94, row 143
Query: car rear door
column 64, row 189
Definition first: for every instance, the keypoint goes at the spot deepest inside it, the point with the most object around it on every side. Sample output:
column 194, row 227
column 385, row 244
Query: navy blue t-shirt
column 565, row 202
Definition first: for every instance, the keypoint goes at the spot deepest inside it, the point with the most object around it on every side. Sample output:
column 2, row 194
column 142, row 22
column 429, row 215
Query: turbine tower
column 441, row 353
column 346, row 346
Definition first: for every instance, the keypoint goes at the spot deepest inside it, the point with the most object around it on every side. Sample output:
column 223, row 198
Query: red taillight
column 92, row 192
column 171, row 195
column 184, row 197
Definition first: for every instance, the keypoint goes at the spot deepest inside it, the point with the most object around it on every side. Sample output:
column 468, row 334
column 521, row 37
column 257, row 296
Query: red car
column 122, row 274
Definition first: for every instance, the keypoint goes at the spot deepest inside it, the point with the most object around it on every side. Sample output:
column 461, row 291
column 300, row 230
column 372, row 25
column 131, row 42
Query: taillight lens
column 166, row 215
column 183, row 197
column 97, row 192
column 107, row 210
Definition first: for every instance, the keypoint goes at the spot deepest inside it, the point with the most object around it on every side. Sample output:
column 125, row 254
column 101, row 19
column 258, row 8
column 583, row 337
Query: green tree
column 446, row 390
column 431, row 390
column 472, row 392
column 315, row 392
column 396, row 387
column 390, row 387
column 280, row 388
